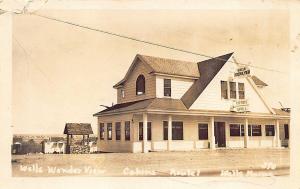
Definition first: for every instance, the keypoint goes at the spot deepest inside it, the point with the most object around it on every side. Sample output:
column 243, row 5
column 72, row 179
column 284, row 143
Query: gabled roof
column 158, row 65
column 78, row 129
column 258, row 82
column 208, row 69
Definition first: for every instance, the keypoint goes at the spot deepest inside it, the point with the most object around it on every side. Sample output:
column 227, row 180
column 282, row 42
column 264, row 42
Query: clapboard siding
column 210, row 99
column 129, row 86
column 178, row 86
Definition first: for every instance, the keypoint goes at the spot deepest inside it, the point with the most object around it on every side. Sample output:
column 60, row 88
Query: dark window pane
column 149, row 131
column 177, row 130
column 270, row 130
column 255, row 130
column 140, row 85
column 101, row 131
column 165, row 130
column 249, row 130
column 140, row 130
column 286, row 131
column 109, row 131
column 242, row 130
column 167, row 87
column 127, row 130
column 203, row 131
column 235, row 130
column 118, row 131
column 224, row 90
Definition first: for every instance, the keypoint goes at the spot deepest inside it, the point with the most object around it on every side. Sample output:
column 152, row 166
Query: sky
column 62, row 73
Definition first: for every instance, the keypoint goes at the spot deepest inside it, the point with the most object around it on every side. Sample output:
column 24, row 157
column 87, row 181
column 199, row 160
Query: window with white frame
column 167, row 87
column 122, row 93
column 203, row 131
column 254, row 130
column 141, row 133
column 118, row 130
column 232, row 86
column 140, row 85
column 236, row 129
column 177, row 130
column 241, row 87
column 224, row 90
column 109, row 131
column 270, row 130
column 127, row 130
column 101, row 131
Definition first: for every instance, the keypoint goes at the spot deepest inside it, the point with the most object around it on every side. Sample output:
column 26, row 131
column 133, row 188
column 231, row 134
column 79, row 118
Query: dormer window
column 122, row 93
column 140, row 85
column 167, row 87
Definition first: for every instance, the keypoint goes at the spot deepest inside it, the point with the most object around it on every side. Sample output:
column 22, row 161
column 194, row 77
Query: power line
column 153, row 43
column 147, row 42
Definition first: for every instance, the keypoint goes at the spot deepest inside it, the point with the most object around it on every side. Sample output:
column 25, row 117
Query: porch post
column 246, row 137
column 169, row 132
column 212, row 133
column 277, row 134
column 145, row 123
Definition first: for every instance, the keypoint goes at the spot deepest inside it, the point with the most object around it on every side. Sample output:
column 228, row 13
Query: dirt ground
column 221, row 162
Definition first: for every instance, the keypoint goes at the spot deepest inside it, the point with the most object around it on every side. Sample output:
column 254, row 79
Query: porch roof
column 167, row 105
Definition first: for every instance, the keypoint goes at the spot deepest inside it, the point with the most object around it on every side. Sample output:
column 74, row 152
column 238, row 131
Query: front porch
column 170, row 132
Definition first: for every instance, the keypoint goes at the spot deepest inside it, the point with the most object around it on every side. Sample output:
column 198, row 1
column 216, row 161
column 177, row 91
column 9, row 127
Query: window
column 127, row 130
column 241, row 87
column 165, row 125
column 236, row 130
column 232, row 90
column 167, row 87
column 177, row 130
column 286, row 131
column 203, row 131
column 140, row 85
column 149, row 134
column 254, row 130
column 122, row 93
column 270, row 130
column 224, row 90
column 101, row 131
column 118, row 130
column 109, row 131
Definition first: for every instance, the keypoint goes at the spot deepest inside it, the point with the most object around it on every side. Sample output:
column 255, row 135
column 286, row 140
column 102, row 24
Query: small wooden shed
column 83, row 129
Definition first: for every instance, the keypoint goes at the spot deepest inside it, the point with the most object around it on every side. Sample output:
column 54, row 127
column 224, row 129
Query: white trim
column 199, row 113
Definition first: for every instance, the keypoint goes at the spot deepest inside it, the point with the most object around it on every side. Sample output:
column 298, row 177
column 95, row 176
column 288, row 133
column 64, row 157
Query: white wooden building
column 54, row 145
column 183, row 106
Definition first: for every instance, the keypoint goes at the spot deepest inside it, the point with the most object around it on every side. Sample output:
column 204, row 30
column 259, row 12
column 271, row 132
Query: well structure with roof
column 83, row 130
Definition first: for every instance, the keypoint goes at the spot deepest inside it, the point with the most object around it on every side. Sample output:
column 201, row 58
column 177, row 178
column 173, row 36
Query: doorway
column 220, row 138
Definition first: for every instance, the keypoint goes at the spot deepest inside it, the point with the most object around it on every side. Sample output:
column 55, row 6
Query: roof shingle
column 207, row 69
column 171, row 66
column 78, row 129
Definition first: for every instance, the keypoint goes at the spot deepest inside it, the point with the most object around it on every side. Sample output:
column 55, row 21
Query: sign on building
column 242, row 72
column 240, row 105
